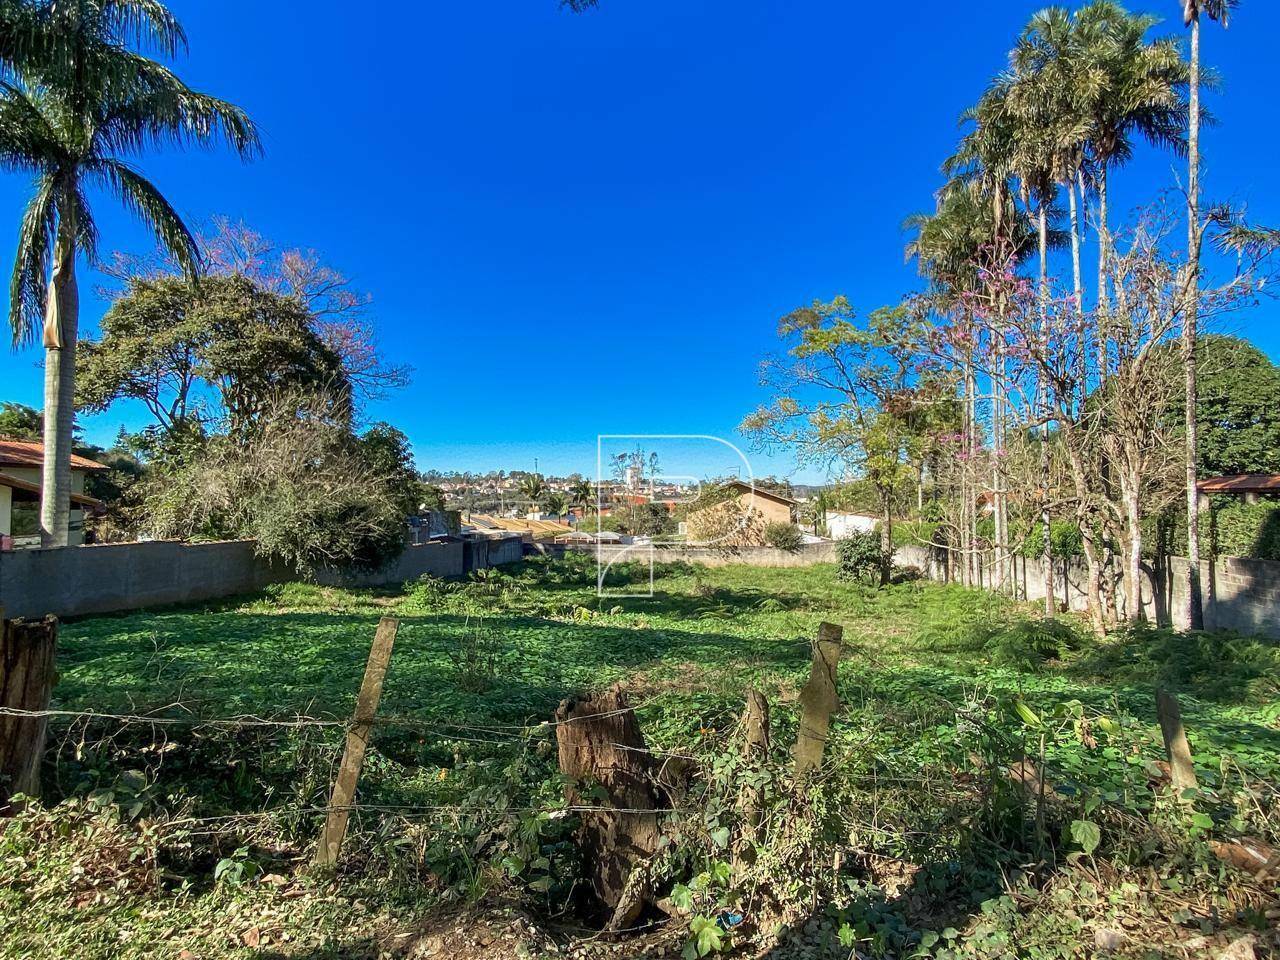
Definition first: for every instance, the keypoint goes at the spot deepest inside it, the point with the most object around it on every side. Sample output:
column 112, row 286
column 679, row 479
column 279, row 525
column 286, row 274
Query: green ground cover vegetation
column 917, row 838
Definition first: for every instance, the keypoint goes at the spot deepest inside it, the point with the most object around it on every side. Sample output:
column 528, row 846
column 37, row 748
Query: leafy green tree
column 301, row 485
column 225, row 347
column 20, row 422
column 848, row 395
column 83, row 103
column 389, row 455
column 1237, row 410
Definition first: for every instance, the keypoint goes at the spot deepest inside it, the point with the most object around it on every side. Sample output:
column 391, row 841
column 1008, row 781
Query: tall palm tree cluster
column 1082, row 90
column 80, row 101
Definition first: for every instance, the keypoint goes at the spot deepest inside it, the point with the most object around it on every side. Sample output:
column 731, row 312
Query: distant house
column 841, row 525
column 21, row 466
column 739, row 519
column 772, row 507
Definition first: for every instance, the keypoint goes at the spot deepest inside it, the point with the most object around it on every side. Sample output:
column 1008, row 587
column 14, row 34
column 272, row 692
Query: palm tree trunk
column 966, row 494
column 1082, row 361
column 61, row 332
column 999, row 497
column 1104, row 271
column 971, row 562
column 1195, row 604
column 1046, row 555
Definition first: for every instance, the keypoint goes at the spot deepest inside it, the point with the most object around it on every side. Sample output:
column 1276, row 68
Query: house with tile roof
column 21, row 463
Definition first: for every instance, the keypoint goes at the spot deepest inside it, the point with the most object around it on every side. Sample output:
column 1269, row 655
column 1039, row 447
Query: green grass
column 938, row 684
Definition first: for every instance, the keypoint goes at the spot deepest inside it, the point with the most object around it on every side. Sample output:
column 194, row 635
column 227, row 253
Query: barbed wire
column 442, row 728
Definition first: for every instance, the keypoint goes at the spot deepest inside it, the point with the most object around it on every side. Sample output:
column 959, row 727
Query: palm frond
column 146, row 23
column 145, row 201
column 1247, row 240
column 28, row 292
column 175, row 115
column 27, row 139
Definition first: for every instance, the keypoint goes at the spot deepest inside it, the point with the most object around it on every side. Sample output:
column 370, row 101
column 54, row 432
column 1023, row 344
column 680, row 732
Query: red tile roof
column 745, row 487
column 28, row 453
column 1242, row 483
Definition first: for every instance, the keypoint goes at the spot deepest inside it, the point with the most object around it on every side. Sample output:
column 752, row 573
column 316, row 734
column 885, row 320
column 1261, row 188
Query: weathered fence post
column 818, row 699
column 751, row 798
column 26, row 681
column 756, row 725
column 1181, row 769
column 344, row 787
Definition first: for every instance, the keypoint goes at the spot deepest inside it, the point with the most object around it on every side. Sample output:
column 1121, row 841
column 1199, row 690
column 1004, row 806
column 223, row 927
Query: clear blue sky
column 641, row 190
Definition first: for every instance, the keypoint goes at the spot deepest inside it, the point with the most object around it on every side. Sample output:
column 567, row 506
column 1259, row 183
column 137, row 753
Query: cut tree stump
column 26, row 682
column 1182, row 769
column 600, row 742
column 818, row 699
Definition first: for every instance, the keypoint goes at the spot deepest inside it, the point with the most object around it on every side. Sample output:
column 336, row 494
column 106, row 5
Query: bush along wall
column 1229, row 528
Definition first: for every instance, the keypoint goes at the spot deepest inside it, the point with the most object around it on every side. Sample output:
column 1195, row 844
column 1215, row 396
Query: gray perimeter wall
column 1239, row 594
column 127, row 576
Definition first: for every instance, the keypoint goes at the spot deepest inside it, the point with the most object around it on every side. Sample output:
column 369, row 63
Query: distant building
column 1250, row 487
column 740, row 519
column 540, row 530
column 21, row 467
column 841, row 525
column 589, row 537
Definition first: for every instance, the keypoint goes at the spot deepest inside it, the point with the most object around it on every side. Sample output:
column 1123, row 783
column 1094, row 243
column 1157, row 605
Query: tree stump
column 26, row 681
column 600, row 742
column 1182, row 769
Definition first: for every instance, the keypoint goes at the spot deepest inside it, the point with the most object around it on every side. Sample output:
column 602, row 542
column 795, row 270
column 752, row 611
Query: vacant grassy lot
column 916, row 840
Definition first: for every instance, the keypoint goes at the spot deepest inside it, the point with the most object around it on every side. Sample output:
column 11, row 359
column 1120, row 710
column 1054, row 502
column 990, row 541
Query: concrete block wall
column 1240, row 594
column 437, row 559
column 124, row 576
column 113, row 577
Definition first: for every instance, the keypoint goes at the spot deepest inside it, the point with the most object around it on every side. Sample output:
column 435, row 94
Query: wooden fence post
column 818, row 699
column 344, row 786
column 26, row 682
column 1181, row 768
column 756, row 724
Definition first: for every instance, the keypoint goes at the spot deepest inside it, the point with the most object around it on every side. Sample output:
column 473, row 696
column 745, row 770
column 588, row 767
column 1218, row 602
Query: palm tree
column 534, row 488
column 816, row 510
column 1024, row 129
column 555, row 503
column 1219, row 10
column 1129, row 87
column 583, row 494
column 72, row 122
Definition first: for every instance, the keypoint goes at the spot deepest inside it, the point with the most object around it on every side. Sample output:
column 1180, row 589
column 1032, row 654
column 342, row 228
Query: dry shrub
column 298, row 485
